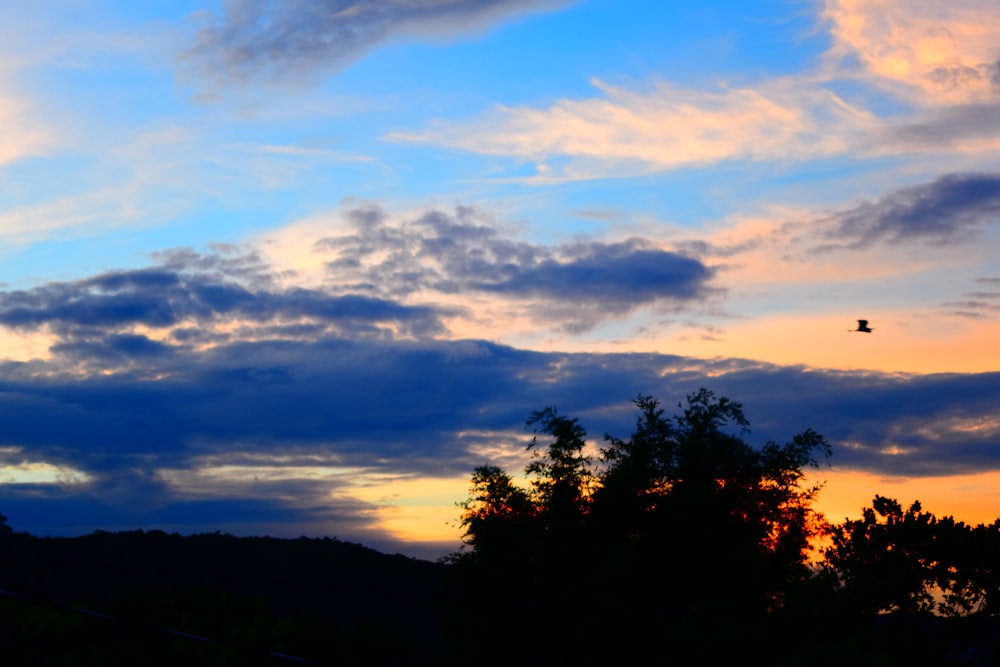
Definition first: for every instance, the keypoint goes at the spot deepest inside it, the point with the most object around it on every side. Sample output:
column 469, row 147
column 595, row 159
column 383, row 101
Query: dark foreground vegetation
column 150, row 598
column 680, row 545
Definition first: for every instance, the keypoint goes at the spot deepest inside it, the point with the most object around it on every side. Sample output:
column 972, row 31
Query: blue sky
column 297, row 267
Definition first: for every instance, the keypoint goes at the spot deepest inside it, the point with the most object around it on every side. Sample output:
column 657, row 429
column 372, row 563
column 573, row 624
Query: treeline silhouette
column 683, row 544
column 679, row 545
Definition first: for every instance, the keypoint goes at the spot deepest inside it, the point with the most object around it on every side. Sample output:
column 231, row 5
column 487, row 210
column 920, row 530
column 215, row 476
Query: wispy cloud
column 149, row 177
column 22, row 134
column 949, row 209
column 256, row 41
column 626, row 131
column 941, row 59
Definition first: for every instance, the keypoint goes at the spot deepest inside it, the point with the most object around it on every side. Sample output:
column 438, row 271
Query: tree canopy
column 685, row 513
column 910, row 561
column 684, row 536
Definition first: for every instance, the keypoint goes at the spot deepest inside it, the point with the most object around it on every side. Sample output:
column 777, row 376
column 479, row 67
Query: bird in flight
column 862, row 326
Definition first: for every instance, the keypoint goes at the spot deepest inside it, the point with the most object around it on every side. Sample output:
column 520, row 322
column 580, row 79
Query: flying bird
column 862, row 326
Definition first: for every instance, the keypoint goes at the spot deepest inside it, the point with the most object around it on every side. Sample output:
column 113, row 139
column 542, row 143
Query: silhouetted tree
column 502, row 528
column 561, row 482
column 885, row 560
column 683, row 514
column 974, row 571
column 896, row 560
column 689, row 495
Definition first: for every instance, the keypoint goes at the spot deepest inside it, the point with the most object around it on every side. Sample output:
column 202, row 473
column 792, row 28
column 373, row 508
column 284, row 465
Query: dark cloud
column 407, row 407
column 403, row 403
column 699, row 248
column 225, row 262
column 951, row 208
column 574, row 285
column 958, row 76
column 619, row 276
column 115, row 348
column 86, row 312
column 945, row 128
column 267, row 40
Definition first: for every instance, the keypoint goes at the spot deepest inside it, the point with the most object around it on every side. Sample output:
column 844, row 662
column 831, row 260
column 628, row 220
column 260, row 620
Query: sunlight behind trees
column 685, row 533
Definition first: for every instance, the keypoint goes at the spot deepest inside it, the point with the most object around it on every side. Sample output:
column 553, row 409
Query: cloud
column 462, row 252
column 21, row 133
column 307, row 416
column 980, row 304
column 258, row 40
column 401, row 406
column 113, row 349
column 968, row 128
column 949, row 209
column 938, row 52
column 664, row 128
column 945, row 222
column 146, row 314
column 942, row 58
column 620, row 276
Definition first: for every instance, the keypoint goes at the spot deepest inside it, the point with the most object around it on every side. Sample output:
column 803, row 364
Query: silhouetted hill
column 317, row 598
column 151, row 598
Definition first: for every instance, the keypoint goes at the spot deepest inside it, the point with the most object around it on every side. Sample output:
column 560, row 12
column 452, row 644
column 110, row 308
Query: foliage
column 684, row 536
column 970, row 576
column 684, row 513
column 885, row 559
column 335, row 602
column 895, row 560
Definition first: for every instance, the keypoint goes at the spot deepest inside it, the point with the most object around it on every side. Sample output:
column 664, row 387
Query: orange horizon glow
column 971, row 498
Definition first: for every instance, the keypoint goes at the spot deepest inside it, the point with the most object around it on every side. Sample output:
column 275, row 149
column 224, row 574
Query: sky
column 296, row 268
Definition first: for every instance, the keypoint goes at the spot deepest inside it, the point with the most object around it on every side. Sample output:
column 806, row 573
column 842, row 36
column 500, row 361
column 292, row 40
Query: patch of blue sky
column 108, row 14
column 862, row 95
column 517, row 61
column 76, row 253
column 683, row 198
column 699, row 46
column 32, row 180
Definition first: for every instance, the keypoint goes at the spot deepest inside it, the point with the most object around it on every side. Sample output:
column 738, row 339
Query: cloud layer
column 205, row 439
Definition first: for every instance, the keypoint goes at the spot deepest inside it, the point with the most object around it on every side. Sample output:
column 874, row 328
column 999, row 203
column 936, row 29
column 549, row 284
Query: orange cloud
column 664, row 128
column 942, row 52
